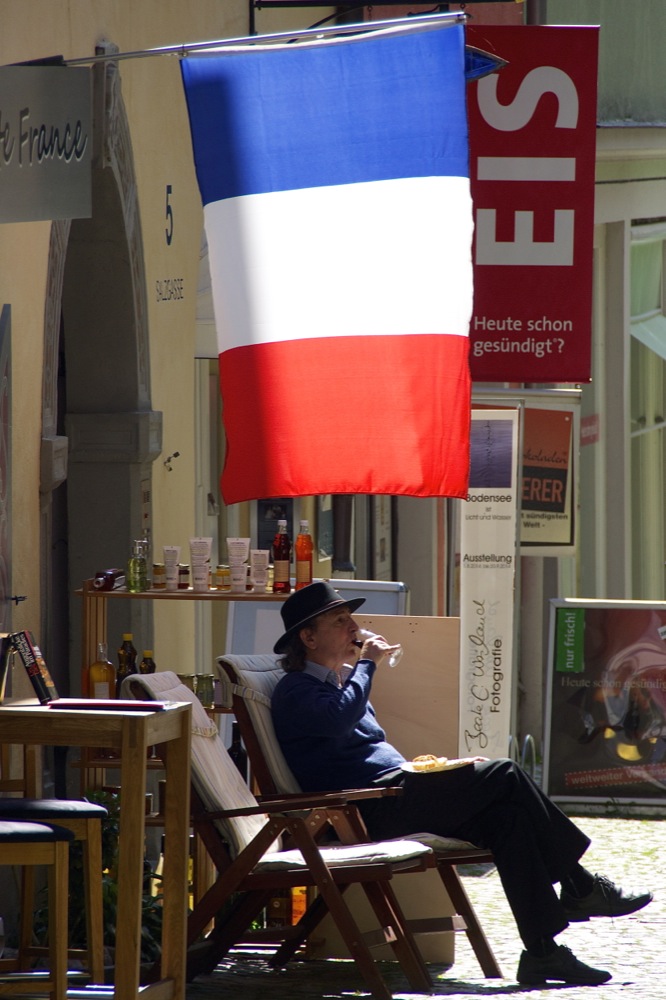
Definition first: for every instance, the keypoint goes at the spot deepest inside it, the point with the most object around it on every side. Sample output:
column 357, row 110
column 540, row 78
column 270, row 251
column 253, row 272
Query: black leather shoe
column 605, row 900
column 562, row 966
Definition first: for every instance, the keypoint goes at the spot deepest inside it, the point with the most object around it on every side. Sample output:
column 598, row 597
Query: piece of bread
column 428, row 762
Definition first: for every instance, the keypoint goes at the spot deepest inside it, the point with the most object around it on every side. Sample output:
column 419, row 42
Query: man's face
column 330, row 638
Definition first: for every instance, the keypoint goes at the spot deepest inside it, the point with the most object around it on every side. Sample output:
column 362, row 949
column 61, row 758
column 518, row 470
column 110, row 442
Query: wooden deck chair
column 243, row 840
column 247, row 684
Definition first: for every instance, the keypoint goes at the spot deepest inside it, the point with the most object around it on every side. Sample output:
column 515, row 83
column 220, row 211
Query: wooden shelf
column 181, row 595
column 94, row 631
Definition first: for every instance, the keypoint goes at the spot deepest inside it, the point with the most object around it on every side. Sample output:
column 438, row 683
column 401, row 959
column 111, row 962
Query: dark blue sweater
column 329, row 735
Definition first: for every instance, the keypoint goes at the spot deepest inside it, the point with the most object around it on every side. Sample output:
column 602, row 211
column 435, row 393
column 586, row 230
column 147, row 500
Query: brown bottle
column 281, row 560
column 147, row 665
column 109, row 579
column 126, row 660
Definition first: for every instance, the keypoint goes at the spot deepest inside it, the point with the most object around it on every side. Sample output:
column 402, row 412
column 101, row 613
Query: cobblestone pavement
column 633, row 948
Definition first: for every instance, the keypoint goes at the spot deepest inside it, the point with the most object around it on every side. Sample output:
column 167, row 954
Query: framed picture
column 269, row 512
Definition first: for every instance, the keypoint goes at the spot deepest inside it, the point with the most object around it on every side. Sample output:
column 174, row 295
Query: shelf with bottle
column 178, row 595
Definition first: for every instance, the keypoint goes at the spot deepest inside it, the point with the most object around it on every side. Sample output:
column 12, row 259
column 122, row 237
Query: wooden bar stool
column 27, row 845
column 84, row 820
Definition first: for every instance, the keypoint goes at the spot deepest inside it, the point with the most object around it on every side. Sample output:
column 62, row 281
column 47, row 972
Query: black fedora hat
column 308, row 603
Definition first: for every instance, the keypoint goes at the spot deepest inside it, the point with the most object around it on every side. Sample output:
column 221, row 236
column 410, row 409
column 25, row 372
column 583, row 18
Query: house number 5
column 168, row 231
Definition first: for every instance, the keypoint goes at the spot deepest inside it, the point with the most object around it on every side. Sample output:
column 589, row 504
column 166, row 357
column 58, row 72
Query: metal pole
column 536, row 12
column 405, row 24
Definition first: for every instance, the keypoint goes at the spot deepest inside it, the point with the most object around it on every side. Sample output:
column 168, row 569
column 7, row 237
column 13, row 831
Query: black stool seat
column 81, row 821
column 39, row 810
column 32, row 833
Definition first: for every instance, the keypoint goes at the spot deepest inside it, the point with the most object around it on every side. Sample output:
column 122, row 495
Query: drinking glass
column 395, row 652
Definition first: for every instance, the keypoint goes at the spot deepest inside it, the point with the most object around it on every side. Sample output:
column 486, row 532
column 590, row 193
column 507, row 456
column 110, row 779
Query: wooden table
column 130, row 733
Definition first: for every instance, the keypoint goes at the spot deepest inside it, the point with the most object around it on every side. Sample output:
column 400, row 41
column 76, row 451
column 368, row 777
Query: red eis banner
column 532, row 149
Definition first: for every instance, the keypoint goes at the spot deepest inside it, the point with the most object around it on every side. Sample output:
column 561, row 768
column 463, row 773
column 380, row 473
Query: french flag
column 335, row 184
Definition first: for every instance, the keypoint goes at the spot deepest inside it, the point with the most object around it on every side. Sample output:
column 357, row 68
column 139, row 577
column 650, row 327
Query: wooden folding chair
column 247, row 684
column 242, row 837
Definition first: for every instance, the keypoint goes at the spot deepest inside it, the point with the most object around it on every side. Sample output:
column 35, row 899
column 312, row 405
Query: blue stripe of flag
column 298, row 117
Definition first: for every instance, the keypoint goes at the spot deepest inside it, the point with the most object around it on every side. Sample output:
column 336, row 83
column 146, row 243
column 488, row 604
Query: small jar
column 206, row 689
column 222, row 577
column 189, row 680
column 159, row 576
column 183, row 576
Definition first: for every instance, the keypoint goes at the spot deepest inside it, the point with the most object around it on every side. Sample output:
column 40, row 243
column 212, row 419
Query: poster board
column 605, row 732
column 255, row 626
column 549, row 477
column 488, row 558
column 417, row 701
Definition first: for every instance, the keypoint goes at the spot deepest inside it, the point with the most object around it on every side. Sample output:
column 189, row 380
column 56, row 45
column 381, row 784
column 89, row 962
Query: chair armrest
column 280, row 804
column 297, row 802
column 330, row 798
column 354, row 794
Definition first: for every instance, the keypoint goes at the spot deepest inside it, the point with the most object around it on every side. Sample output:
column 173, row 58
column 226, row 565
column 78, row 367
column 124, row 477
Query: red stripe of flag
column 310, row 416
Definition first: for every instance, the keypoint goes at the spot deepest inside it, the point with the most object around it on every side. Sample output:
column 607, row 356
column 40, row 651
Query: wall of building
column 156, row 159
column 632, row 74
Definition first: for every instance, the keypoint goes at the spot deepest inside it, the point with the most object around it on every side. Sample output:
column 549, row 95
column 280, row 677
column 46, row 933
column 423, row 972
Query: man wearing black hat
column 332, row 740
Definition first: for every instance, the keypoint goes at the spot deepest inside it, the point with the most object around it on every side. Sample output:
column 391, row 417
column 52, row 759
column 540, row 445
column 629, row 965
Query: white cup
column 238, row 577
column 201, row 576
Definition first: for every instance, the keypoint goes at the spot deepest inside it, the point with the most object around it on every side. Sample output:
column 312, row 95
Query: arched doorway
column 100, row 435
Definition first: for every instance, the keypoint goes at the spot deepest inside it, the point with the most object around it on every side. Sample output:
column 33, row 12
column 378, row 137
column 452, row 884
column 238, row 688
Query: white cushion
column 438, row 843
column 214, row 775
column 360, row 854
column 258, row 676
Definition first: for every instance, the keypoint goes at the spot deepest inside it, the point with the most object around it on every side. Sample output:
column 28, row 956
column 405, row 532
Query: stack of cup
column 239, row 549
column 259, row 559
column 171, row 557
column 200, row 563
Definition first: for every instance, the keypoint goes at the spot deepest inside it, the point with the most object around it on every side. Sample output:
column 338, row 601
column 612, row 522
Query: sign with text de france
column 45, row 143
column 532, row 148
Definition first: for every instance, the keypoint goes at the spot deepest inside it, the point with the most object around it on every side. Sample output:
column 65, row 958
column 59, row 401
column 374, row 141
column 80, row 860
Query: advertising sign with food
column 605, row 735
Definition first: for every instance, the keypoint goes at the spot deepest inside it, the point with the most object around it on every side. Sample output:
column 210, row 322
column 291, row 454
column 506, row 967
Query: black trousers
column 495, row 805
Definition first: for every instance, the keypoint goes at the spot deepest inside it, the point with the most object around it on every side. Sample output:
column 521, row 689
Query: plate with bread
column 426, row 763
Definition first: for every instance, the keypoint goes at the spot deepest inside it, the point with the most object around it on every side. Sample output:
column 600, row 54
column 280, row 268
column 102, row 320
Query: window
column 648, row 410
